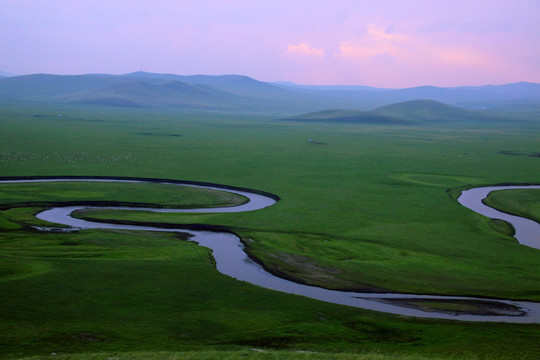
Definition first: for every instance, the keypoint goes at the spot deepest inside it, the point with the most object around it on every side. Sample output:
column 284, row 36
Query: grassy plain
column 166, row 195
column 368, row 210
column 524, row 203
column 253, row 353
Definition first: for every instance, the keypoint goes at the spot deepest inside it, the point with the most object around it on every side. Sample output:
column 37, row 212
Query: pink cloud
column 304, row 49
column 417, row 57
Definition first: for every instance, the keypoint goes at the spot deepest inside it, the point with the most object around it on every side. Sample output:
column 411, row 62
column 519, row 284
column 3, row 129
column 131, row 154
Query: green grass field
column 370, row 209
column 252, row 353
column 169, row 196
column 524, row 203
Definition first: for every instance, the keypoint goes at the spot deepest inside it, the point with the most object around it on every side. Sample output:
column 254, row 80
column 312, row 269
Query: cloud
column 304, row 49
column 375, row 41
column 394, row 56
column 409, row 48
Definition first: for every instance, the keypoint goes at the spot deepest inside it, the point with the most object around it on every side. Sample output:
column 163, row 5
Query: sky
column 382, row 43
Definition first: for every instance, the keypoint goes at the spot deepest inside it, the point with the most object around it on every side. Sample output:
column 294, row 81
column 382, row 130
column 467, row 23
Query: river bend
column 231, row 260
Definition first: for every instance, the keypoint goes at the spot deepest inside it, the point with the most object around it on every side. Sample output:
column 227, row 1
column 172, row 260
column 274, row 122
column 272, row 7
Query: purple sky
column 382, row 43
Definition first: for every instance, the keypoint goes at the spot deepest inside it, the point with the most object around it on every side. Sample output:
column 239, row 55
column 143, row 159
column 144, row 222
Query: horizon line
column 6, row 74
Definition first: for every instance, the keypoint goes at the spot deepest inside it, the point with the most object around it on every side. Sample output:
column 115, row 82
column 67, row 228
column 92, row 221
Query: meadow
column 373, row 208
column 524, row 203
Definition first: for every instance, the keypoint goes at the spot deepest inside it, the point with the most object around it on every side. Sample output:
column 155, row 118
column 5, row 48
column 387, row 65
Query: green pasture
column 250, row 353
column 166, row 195
column 370, row 209
column 525, row 203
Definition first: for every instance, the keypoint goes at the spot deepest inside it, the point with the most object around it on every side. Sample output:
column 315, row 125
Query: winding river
column 231, row 260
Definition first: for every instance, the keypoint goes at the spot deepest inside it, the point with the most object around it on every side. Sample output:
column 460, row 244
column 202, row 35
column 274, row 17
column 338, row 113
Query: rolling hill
column 136, row 93
column 486, row 96
column 46, row 86
column 350, row 116
column 231, row 92
column 426, row 110
column 243, row 94
column 235, row 84
column 415, row 112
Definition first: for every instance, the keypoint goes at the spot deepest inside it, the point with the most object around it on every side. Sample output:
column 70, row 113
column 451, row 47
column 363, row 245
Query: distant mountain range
column 242, row 93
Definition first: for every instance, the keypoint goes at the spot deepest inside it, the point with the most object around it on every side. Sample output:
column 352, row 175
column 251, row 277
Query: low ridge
column 349, row 116
column 425, row 110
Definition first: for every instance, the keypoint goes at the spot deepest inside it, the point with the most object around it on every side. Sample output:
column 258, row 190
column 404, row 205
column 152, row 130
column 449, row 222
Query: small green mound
column 350, row 116
column 426, row 110
column 502, row 227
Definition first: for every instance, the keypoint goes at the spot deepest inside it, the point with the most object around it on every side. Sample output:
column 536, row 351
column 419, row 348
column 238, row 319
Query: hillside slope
column 136, row 93
column 349, row 116
column 427, row 110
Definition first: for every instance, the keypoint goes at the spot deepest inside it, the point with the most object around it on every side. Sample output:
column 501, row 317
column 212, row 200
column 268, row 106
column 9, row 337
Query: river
column 232, row 260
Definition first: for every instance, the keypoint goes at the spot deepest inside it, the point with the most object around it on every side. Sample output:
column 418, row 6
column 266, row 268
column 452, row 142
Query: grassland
column 143, row 194
column 369, row 210
column 525, row 203
column 253, row 353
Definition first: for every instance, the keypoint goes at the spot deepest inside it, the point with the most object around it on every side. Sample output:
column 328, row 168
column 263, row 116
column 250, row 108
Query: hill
column 404, row 113
column 44, row 86
column 428, row 110
column 136, row 93
column 486, row 96
column 229, row 92
column 235, row 84
column 242, row 93
column 350, row 116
